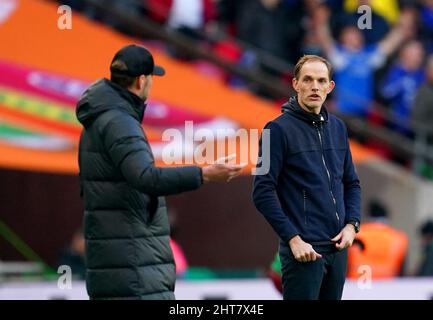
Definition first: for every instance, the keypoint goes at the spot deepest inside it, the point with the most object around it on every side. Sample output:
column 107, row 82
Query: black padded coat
column 126, row 228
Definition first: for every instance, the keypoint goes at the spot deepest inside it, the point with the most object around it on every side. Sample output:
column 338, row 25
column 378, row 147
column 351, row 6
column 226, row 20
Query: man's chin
column 313, row 105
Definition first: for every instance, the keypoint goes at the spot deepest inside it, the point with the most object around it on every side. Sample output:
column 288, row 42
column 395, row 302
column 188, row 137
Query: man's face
column 145, row 84
column 313, row 85
column 352, row 39
column 364, row 2
column 412, row 56
column 270, row 4
column 428, row 3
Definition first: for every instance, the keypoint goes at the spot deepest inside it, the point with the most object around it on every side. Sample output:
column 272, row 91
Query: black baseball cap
column 138, row 61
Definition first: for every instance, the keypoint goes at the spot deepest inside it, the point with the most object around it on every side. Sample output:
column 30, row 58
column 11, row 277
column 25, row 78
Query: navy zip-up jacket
column 311, row 189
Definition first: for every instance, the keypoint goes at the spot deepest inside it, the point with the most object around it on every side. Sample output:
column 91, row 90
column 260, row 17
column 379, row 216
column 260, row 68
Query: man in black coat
column 126, row 228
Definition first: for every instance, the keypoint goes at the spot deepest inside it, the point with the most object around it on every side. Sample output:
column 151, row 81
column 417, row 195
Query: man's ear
column 141, row 82
column 331, row 86
column 295, row 84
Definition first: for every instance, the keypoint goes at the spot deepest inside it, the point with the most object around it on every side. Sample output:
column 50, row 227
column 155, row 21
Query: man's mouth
column 314, row 97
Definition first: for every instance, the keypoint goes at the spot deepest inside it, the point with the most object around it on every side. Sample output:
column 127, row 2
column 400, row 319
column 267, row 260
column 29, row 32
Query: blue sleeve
column 374, row 58
column 352, row 188
column 264, row 186
column 392, row 84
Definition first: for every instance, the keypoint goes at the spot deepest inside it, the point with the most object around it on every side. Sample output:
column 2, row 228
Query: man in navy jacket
column 311, row 195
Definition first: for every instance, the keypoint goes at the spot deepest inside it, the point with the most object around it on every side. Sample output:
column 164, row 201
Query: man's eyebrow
column 307, row 76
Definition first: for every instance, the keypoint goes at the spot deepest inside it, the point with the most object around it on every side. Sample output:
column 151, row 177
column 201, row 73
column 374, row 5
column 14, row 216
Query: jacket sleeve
column 352, row 188
column 127, row 146
column 264, row 195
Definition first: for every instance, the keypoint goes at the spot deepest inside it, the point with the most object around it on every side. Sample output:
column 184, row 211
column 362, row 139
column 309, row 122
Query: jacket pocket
column 304, row 198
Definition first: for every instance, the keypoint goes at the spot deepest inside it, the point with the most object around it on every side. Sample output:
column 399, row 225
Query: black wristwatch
column 356, row 225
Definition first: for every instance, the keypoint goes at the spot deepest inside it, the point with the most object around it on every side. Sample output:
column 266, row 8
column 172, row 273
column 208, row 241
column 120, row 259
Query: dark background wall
column 42, row 209
column 220, row 227
column 217, row 225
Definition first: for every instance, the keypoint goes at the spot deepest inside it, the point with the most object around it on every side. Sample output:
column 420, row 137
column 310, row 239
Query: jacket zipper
column 304, row 193
column 327, row 172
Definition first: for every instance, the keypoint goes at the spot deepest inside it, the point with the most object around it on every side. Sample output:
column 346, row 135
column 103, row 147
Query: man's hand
column 321, row 15
column 302, row 251
column 221, row 170
column 402, row 31
column 345, row 238
column 407, row 22
column 322, row 30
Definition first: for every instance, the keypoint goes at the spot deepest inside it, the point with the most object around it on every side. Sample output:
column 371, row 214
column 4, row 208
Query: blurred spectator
column 402, row 82
column 267, row 25
column 423, row 106
column 426, row 28
column 310, row 43
column 388, row 9
column 73, row 255
column 350, row 16
column 76, row 5
column 179, row 258
column 228, row 13
column 355, row 63
column 231, row 51
column 158, row 10
column 380, row 246
column 133, row 8
column 426, row 266
column 189, row 17
column 422, row 117
column 190, row 14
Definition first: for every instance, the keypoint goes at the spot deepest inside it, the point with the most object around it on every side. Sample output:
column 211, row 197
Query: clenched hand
column 303, row 251
column 345, row 238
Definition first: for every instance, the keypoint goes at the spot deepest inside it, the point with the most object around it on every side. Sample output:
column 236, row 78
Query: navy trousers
column 322, row 279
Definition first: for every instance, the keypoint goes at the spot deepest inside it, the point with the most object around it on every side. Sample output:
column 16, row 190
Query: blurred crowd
column 381, row 50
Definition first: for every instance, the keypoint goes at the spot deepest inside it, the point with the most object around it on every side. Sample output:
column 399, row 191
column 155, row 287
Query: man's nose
column 315, row 86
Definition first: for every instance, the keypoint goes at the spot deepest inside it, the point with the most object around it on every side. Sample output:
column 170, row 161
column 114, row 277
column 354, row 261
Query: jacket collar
column 293, row 108
column 138, row 104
